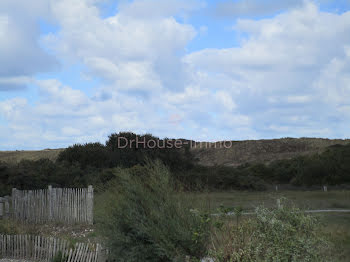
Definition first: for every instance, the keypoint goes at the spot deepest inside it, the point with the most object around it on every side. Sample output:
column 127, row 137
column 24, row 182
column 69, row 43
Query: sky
column 75, row 71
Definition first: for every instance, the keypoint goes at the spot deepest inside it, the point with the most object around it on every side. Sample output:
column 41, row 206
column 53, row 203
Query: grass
column 302, row 199
column 13, row 157
column 336, row 226
column 72, row 233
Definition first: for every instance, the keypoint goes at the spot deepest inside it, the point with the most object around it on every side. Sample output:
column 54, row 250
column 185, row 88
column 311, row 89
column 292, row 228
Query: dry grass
column 14, row 157
column 77, row 233
column 239, row 153
column 260, row 150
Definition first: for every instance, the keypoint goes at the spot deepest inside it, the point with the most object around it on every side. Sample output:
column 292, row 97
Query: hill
column 211, row 154
column 13, row 157
column 257, row 151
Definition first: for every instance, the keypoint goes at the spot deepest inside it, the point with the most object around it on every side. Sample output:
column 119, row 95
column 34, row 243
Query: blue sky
column 75, row 71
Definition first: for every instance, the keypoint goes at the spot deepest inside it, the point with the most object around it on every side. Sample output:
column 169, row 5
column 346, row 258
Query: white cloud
column 298, row 99
column 288, row 77
column 289, row 41
column 20, row 53
column 70, row 131
column 38, row 8
column 292, row 64
column 12, row 108
column 226, row 100
column 17, row 82
column 126, row 75
column 53, row 91
column 128, row 49
column 334, row 81
column 74, row 117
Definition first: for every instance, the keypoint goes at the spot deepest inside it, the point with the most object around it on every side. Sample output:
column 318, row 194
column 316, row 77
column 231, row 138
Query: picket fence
column 39, row 248
column 63, row 205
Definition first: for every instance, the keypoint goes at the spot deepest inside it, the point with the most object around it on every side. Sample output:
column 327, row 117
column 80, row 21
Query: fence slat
column 62, row 205
column 39, row 248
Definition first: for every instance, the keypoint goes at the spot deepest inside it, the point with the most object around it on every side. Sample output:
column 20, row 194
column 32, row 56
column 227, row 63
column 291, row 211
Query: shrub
column 143, row 218
column 220, row 177
column 285, row 234
column 128, row 152
column 89, row 154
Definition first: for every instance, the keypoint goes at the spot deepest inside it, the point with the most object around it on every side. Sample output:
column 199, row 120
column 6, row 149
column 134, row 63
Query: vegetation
column 127, row 149
column 249, row 200
column 41, row 173
column 59, row 257
column 336, row 228
column 333, row 226
column 91, row 163
column 146, row 219
column 147, row 211
column 14, row 157
column 284, row 234
column 150, row 220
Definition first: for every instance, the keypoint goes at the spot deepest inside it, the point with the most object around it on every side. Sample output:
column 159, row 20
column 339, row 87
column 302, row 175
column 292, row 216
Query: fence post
column 90, row 204
column 7, row 206
column 279, row 206
column 49, row 201
column 14, row 206
column 1, row 208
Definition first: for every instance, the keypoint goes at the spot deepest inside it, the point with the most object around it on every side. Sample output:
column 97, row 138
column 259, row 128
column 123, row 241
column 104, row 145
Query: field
column 335, row 226
column 248, row 200
column 14, row 157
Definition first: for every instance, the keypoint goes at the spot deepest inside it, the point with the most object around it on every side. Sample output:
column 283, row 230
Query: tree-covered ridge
column 92, row 163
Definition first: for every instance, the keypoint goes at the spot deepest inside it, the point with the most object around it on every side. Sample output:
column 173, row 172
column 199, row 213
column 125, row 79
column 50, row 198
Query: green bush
column 143, row 218
column 130, row 153
column 285, row 234
column 89, row 154
column 220, row 177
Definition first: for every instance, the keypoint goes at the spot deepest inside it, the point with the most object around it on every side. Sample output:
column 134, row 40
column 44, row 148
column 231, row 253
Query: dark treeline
column 93, row 163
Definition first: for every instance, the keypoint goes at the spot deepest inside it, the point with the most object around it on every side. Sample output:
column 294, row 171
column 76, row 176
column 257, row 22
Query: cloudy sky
column 74, row 71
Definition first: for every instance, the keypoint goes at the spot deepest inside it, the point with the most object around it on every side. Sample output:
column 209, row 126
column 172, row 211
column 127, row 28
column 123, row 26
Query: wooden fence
column 63, row 205
column 39, row 248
